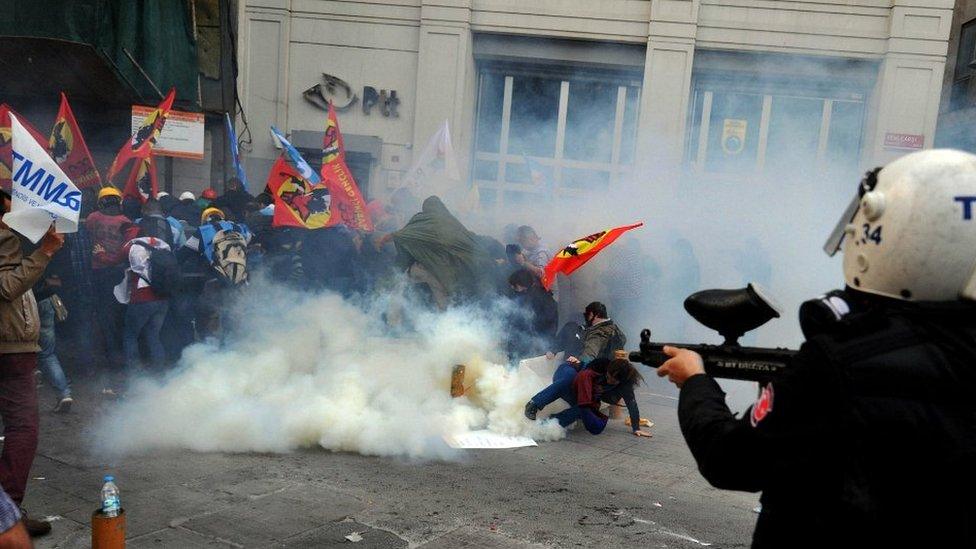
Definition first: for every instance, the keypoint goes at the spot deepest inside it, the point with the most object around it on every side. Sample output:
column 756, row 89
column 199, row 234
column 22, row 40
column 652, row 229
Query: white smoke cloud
column 314, row 370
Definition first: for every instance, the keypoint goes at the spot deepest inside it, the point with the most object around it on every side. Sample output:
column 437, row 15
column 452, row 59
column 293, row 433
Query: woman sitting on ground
column 584, row 390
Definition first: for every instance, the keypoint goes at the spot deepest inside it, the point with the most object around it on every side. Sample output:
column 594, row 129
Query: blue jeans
column 47, row 359
column 561, row 387
column 144, row 318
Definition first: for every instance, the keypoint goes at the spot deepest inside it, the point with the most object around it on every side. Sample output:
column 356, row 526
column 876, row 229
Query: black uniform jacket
column 869, row 439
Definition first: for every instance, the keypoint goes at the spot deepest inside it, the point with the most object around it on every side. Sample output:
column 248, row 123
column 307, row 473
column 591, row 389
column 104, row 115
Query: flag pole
column 143, row 72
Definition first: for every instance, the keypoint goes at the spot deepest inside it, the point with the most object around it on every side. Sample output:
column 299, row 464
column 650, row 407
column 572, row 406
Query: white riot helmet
column 911, row 232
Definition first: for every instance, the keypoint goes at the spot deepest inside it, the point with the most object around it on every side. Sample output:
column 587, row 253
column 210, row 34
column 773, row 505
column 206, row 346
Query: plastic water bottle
column 110, row 497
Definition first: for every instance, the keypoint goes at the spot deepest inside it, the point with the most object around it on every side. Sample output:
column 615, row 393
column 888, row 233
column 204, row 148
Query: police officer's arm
column 729, row 452
column 739, row 454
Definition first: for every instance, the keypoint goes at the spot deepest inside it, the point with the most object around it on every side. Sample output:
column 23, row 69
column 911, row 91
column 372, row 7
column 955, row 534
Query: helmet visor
column 836, row 238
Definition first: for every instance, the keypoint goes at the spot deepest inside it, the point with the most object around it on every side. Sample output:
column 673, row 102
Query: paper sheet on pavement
column 487, row 440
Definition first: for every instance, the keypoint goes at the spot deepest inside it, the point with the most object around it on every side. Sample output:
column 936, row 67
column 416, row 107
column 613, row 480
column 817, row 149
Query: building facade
column 597, row 92
column 957, row 115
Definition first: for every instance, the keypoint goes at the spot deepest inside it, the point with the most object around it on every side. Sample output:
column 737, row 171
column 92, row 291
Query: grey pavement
column 612, row 490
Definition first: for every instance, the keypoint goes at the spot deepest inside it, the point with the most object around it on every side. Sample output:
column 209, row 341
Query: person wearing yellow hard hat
column 212, row 214
column 109, row 230
column 107, row 192
column 222, row 248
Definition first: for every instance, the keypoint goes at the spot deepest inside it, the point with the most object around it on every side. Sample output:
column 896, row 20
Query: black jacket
column 187, row 210
column 532, row 327
column 234, row 203
column 868, row 440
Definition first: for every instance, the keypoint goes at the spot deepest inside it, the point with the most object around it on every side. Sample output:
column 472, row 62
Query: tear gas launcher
column 731, row 313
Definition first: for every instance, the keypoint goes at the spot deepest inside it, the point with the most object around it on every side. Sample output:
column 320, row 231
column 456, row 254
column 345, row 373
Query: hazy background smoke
column 307, row 370
column 721, row 227
column 304, row 370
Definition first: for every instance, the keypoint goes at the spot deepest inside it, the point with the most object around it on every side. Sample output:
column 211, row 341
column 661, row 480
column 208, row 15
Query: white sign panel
column 182, row 135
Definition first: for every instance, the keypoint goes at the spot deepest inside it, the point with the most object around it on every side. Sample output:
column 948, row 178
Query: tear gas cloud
column 305, row 370
column 713, row 227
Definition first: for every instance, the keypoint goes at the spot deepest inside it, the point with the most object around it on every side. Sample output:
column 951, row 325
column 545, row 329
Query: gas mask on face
column 825, row 314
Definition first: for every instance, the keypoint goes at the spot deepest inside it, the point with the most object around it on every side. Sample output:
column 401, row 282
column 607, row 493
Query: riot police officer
column 869, row 439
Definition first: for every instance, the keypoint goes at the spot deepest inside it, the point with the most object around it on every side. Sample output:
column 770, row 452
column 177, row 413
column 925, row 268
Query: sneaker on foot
column 64, row 405
column 531, row 410
column 35, row 527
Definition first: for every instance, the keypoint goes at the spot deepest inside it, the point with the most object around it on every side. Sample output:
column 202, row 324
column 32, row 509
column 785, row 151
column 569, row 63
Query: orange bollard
column 108, row 532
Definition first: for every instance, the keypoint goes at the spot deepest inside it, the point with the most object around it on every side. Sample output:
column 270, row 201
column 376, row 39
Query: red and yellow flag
column 347, row 200
column 142, row 182
column 6, row 143
column 140, row 145
column 576, row 255
column 69, row 150
column 298, row 202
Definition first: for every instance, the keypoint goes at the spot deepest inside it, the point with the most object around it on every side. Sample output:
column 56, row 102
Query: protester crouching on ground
column 109, row 231
column 585, row 389
column 19, row 333
column 601, row 337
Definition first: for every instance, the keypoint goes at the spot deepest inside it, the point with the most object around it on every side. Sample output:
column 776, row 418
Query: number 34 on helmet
column 910, row 234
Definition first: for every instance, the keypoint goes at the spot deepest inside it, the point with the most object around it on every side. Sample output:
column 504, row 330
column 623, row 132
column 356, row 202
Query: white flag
column 40, row 192
column 436, row 160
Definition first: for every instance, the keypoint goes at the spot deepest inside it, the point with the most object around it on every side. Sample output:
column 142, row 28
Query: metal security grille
column 574, row 129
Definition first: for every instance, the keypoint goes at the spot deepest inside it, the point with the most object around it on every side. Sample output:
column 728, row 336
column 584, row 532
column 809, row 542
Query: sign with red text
column 182, row 136
column 903, row 141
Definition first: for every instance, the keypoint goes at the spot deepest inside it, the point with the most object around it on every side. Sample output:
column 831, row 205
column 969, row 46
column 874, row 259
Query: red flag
column 6, row 143
column 140, row 145
column 575, row 255
column 69, row 150
column 142, row 182
column 298, row 202
column 347, row 200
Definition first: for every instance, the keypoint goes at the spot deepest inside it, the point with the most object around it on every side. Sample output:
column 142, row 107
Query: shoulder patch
column 763, row 405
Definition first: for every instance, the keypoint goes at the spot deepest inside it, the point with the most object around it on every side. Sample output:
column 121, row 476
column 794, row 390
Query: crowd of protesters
column 142, row 280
